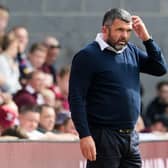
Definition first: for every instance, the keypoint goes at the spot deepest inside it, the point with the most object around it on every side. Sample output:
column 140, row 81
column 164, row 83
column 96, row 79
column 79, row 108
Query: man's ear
column 104, row 29
column 105, row 32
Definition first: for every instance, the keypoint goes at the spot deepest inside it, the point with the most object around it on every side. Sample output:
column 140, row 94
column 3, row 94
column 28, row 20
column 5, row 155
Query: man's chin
column 119, row 47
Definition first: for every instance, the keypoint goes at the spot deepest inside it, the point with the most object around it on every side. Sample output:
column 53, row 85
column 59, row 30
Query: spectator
column 53, row 52
column 15, row 132
column 47, row 119
column 29, row 118
column 9, row 71
column 4, row 18
column 23, row 36
column 49, row 81
column 61, row 90
column 7, row 118
column 37, row 55
column 36, row 58
column 64, row 124
column 158, row 104
column 30, row 94
column 160, row 124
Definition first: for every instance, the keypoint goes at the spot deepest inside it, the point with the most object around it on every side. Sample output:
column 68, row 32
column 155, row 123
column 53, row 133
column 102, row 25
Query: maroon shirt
column 25, row 98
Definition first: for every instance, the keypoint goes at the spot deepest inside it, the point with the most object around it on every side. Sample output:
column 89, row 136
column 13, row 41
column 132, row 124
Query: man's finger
column 84, row 152
column 89, row 154
column 93, row 152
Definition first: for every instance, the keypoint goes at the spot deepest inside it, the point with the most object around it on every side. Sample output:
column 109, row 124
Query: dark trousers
column 115, row 149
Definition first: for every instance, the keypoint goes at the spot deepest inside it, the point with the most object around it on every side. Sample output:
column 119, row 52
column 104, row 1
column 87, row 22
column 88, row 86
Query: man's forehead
column 117, row 21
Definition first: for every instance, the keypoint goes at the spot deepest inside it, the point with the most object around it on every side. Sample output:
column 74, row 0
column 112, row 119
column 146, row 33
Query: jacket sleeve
column 152, row 61
column 80, row 78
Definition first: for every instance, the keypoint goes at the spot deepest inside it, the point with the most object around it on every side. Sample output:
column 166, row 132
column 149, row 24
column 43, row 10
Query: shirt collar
column 103, row 45
column 30, row 89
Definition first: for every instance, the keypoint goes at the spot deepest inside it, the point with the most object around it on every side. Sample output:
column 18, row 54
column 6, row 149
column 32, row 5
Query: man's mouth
column 122, row 42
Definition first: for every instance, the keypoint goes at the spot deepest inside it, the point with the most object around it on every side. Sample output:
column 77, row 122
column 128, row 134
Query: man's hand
column 88, row 148
column 140, row 28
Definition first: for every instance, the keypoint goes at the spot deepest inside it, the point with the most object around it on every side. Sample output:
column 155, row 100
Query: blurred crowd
column 34, row 94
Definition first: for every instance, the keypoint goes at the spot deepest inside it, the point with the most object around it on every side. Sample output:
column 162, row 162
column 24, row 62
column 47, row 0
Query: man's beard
column 119, row 45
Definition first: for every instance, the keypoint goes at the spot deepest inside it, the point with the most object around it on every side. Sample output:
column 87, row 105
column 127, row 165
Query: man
column 4, row 18
column 158, row 105
column 22, row 34
column 47, row 118
column 53, row 51
column 65, row 124
column 104, row 90
column 159, row 124
column 35, row 60
column 30, row 94
column 29, row 118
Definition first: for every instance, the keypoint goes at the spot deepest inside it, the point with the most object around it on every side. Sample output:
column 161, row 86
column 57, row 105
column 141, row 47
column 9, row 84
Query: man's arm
column 80, row 77
column 153, row 61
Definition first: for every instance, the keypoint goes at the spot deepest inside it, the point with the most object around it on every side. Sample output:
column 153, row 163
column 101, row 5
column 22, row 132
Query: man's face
column 23, row 36
column 52, row 55
column 47, row 118
column 37, row 81
column 3, row 23
column 118, row 34
column 53, row 49
column 29, row 121
column 37, row 58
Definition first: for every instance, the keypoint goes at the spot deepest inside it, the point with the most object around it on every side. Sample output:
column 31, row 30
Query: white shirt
column 35, row 135
column 10, row 74
column 40, row 99
column 103, row 45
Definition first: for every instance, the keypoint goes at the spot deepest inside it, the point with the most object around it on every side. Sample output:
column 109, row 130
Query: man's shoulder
column 89, row 50
column 91, row 47
column 23, row 93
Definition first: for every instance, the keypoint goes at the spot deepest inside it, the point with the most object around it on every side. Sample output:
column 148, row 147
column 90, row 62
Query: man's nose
column 125, row 34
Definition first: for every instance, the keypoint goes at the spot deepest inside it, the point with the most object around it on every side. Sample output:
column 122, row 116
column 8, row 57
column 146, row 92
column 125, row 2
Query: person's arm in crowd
column 151, row 61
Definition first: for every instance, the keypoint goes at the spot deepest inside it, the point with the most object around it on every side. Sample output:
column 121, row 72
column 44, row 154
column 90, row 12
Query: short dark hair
column 45, row 106
column 27, row 108
column 6, row 40
column 15, row 28
column 116, row 13
column 161, row 84
column 30, row 75
column 38, row 46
